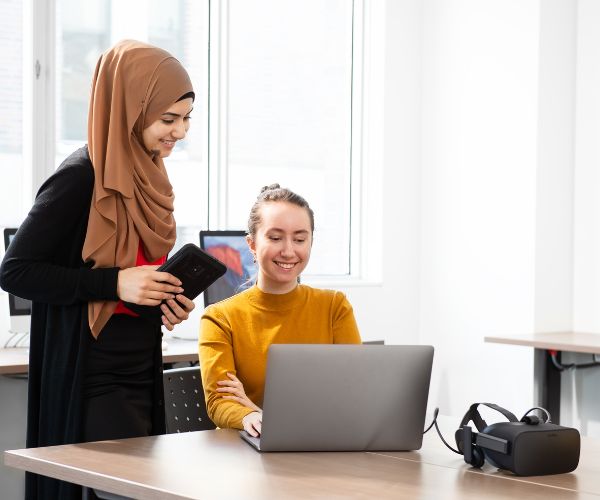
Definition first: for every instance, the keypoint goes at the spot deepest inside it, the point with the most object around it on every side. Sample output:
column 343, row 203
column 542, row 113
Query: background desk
column 15, row 360
column 546, row 376
column 217, row 464
column 14, row 364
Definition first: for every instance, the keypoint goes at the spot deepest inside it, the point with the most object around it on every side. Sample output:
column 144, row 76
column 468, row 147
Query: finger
column 233, row 377
column 251, row 429
column 167, row 323
column 169, row 314
column 229, row 390
column 145, row 301
column 151, row 283
column 228, row 383
column 187, row 303
column 180, row 313
column 156, row 286
column 157, row 295
column 257, row 426
column 165, row 307
column 167, row 278
column 172, row 315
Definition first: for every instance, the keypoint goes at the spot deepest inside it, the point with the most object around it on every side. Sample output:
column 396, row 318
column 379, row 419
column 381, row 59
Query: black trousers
column 118, row 385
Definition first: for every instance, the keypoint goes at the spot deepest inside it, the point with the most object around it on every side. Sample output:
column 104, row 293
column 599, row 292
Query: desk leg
column 547, row 383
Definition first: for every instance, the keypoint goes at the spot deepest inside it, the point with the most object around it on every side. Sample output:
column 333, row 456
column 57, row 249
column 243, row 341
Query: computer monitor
column 231, row 249
column 20, row 309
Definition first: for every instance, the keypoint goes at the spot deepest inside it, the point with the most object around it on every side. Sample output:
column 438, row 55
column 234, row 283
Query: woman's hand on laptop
column 234, row 390
column 252, row 423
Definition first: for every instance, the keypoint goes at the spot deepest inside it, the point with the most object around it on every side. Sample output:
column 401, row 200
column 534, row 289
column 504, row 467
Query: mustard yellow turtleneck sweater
column 236, row 333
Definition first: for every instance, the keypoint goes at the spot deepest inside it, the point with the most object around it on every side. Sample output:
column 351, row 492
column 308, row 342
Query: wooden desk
column 15, row 360
column 218, row 464
column 559, row 341
column 586, row 478
column 546, row 375
column 179, row 350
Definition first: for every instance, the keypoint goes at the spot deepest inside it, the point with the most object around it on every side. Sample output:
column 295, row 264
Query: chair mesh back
column 185, row 409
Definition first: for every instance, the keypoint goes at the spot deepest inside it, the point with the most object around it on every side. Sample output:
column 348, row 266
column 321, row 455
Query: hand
column 252, row 423
column 236, row 392
column 174, row 313
column 145, row 286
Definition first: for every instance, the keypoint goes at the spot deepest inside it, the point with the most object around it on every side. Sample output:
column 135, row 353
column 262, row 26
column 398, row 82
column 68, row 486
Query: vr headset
column 528, row 447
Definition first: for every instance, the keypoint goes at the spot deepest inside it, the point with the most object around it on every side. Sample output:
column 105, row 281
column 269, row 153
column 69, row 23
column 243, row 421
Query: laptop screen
column 334, row 397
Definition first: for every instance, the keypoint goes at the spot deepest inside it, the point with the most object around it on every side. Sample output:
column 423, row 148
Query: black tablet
column 196, row 269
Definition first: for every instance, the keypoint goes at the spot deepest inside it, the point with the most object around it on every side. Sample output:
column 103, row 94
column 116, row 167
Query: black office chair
column 185, row 409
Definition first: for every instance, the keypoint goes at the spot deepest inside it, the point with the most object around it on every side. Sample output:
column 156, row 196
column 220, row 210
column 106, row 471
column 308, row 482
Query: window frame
column 39, row 135
column 366, row 164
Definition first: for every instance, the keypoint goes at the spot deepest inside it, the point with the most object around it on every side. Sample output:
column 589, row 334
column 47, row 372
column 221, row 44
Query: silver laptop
column 322, row 397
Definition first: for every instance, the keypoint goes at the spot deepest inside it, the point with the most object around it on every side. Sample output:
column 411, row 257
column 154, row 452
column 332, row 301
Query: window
column 288, row 114
column 83, row 35
column 12, row 172
column 286, row 104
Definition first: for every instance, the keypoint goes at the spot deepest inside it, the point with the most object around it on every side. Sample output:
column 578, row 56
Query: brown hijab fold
column 133, row 85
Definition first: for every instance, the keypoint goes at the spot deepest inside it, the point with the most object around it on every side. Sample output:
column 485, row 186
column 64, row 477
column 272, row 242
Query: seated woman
column 235, row 334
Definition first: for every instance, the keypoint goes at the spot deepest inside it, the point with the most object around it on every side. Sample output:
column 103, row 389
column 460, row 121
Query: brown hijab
column 134, row 84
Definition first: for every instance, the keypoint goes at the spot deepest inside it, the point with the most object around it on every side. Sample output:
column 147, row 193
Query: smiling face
column 160, row 137
column 281, row 245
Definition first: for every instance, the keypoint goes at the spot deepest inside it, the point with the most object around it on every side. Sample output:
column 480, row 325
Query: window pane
column 289, row 113
column 11, row 112
column 83, row 34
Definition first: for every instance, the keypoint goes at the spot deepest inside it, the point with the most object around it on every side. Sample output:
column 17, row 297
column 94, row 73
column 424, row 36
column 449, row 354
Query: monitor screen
column 17, row 305
column 231, row 249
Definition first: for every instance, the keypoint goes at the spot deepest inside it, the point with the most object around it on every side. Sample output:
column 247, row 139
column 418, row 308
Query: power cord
column 435, row 416
column 531, row 419
column 9, row 341
column 17, row 339
column 525, row 418
column 571, row 366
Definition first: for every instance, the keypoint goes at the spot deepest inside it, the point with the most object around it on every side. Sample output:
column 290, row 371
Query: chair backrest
column 185, row 409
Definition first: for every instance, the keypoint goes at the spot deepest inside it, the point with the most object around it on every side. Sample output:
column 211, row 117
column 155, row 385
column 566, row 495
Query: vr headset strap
column 480, row 424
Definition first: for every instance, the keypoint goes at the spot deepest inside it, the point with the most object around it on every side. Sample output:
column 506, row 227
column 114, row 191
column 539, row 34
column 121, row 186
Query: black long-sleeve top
column 43, row 263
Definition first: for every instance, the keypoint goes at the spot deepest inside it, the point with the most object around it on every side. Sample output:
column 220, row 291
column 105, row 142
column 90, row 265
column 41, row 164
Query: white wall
column 478, row 197
column 501, row 203
column 556, row 164
column 507, row 177
column 580, row 388
column 390, row 311
column 587, row 174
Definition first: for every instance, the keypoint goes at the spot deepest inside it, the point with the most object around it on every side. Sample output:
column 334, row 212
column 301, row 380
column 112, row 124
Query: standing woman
column 99, row 227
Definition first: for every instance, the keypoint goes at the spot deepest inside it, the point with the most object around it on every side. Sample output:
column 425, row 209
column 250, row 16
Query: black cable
column 20, row 342
column 561, row 367
column 444, row 441
column 435, row 415
column 543, row 410
column 7, row 344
